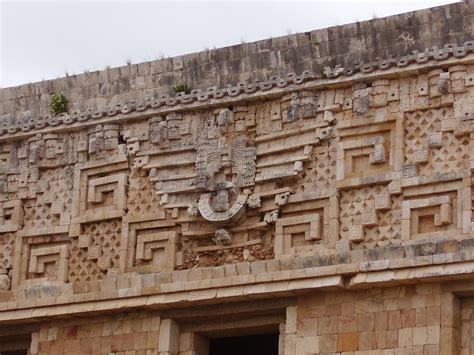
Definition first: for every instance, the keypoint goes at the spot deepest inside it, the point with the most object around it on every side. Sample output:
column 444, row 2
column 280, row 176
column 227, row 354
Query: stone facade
column 333, row 207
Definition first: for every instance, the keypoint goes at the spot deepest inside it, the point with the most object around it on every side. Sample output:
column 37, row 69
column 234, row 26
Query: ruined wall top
column 343, row 46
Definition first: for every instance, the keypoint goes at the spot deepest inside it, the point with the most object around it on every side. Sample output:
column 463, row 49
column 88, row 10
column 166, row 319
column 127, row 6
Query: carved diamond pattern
column 320, row 173
column 353, row 203
column 389, row 228
column 60, row 184
column 37, row 211
column 452, row 156
column 107, row 235
column 142, row 198
column 37, row 215
column 7, row 245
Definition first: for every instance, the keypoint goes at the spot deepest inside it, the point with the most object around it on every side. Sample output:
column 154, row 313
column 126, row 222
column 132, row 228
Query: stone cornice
column 423, row 262
column 26, row 125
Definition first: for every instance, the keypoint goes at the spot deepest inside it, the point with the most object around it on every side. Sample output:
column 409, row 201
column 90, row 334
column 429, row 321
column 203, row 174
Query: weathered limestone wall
column 133, row 333
column 345, row 45
column 421, row 319
column 467, row 335
column 397, row 320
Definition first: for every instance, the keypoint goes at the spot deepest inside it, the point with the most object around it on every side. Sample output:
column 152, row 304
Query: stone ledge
column 414, row 263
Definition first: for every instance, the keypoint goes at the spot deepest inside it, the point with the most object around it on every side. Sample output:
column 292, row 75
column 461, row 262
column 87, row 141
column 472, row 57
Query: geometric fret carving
column 11, row 215
column 100, row 187
column 368, row 151
column 432, row 216
column 291, row 231
column 99, row 192
column 148, row 244
column 333, row 169
column 41, row 257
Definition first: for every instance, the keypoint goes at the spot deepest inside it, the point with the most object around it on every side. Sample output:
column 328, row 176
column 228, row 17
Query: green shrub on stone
column 58, row 104
column 182, row 88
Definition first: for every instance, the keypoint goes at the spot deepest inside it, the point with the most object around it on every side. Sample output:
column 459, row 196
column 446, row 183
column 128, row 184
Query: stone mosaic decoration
column 309, row 172
column 346, row 180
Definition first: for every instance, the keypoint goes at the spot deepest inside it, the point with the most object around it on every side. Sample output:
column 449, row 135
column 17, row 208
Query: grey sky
column 44, row 40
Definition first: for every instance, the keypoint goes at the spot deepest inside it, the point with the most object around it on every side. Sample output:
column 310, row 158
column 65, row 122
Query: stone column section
column 169, row 337
column 450, row 339
column 290, row 330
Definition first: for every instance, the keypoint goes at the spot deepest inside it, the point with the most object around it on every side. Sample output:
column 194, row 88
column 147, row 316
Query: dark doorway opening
column 15, row 344
column 264, row 344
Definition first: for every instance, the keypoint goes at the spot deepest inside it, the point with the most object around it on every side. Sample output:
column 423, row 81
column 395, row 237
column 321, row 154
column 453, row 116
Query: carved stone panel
column 370, row 217
column 95, row 252
column 369, row 151
column 11, row 216
column 433, row 148
column 149, row 244
column 292, row 232
column 429, row 215
column 41, row 256
column 99, row 192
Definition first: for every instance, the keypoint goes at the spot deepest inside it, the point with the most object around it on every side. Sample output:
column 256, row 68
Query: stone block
column 94, row 252
column 369, row 219
column 421, row 156
column 348, row 342
column 84, row 241
column 445, row 215
column 383, row 203
column 356, row 233
column 435, row 140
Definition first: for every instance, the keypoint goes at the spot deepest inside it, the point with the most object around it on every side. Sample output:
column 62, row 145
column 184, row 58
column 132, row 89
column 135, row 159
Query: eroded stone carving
column 222, row 237
column 354, row 166
column 4, row 282
column 224, row 168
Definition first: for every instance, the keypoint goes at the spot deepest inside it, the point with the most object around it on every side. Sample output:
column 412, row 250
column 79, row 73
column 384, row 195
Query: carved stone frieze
column 380, row 163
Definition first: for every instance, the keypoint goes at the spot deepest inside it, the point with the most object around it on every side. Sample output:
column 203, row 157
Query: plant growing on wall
column 58, row 104
column 182, row 88
column 320, row 71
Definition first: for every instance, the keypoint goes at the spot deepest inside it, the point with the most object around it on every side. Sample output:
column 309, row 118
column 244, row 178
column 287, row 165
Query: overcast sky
column 45, row 39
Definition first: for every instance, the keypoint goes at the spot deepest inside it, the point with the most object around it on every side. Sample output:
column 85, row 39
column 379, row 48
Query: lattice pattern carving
column 433, row 149
column 52, row 207
column 85, row 263
column 305, row 172
column 7, row 248
column 319, row 172
column 359, row 206
column 142, row 198
column 38, row 215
